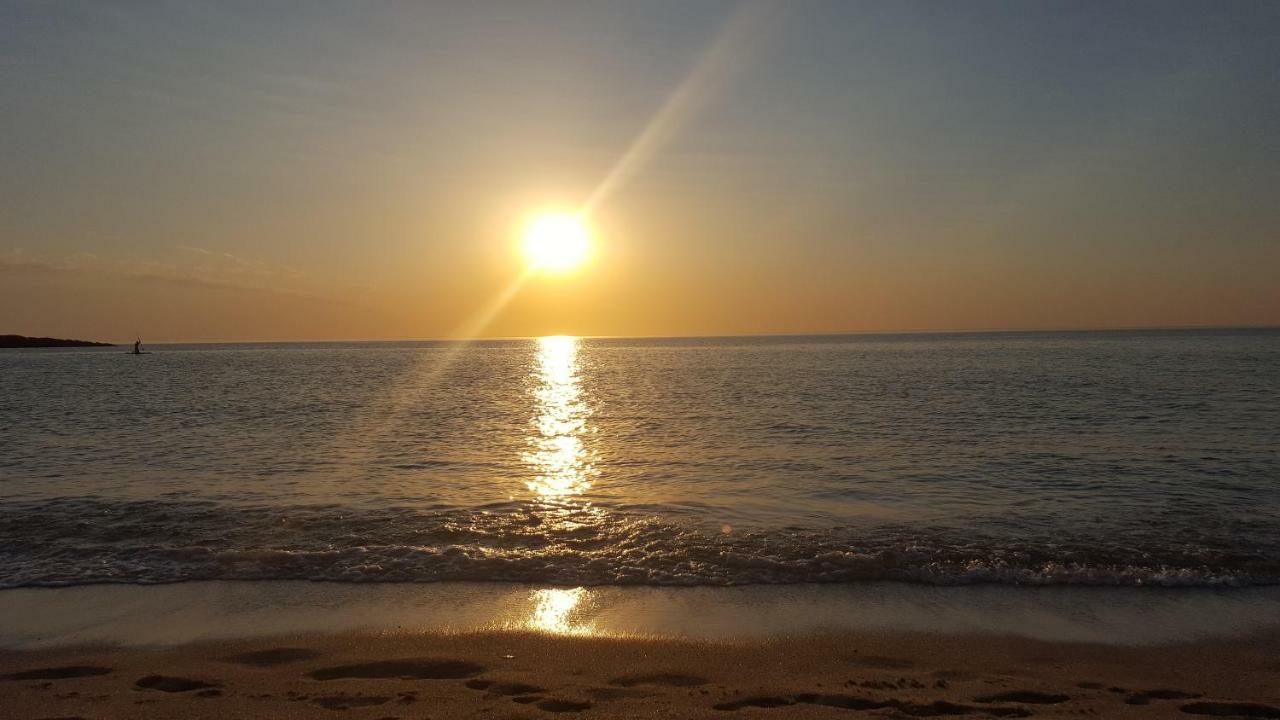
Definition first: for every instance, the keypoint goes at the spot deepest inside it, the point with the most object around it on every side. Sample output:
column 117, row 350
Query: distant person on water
column 137, row 346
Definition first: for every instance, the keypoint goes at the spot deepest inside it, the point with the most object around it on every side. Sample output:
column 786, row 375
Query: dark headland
column 22, row 341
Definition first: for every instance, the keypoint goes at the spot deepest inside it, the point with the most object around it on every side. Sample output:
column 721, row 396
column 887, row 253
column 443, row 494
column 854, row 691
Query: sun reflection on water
column 561, row 463
column 561, row 468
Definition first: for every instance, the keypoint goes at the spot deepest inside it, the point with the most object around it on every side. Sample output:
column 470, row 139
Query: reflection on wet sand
column 559, row 611
column 182, row 613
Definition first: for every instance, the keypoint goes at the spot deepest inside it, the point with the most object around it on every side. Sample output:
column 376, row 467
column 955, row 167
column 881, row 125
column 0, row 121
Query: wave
column 82, row 541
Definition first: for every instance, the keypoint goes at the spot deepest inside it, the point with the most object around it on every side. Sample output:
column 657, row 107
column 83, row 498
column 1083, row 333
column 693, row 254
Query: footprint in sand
column 558, row 705
column 58, row 673
column 899, row 684
column 504, row 688
column 962, row 675
column 1145, row 697
column 617, row 693
column 1024, row 696
column 759, row 702
column 1238, row 709
column 273, row 657
column 342, row 701
column 852, row 702
column 412, row 669
column 164, row 683
column 664, row 678
column 882, row 662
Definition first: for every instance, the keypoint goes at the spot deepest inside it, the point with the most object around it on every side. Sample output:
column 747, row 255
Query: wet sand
column 182, row 613
column 532, row 675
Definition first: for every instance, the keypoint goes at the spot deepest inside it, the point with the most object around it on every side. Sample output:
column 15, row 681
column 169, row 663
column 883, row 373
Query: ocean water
column 1107, row 458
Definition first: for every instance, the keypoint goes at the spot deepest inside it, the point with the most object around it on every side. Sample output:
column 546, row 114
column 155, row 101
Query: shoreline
column 183, row 613
column 292, row 649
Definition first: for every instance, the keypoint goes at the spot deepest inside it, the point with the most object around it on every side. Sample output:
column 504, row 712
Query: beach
column 286, row 650
column 527, row 675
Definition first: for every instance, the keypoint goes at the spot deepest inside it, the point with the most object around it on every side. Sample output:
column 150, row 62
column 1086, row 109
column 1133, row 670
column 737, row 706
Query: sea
column 1118, row 458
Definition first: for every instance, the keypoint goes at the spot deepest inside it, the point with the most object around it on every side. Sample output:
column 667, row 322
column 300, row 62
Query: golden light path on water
column 561, row 469
column 562, row 466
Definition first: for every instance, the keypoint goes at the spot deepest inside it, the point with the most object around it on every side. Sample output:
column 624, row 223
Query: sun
column 556, row 242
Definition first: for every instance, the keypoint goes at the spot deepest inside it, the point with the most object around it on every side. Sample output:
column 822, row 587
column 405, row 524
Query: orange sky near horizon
column 246, row 173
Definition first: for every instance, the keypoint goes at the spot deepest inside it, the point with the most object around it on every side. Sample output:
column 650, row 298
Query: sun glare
column 556, row 242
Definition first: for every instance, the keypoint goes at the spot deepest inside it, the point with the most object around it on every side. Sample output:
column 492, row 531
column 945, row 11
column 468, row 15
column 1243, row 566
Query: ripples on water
column 1096, row 458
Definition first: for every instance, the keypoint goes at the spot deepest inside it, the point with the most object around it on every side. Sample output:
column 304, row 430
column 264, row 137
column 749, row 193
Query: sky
column 193, row 171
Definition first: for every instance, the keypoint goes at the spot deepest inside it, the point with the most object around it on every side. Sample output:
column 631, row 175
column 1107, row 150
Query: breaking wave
column 85, row 541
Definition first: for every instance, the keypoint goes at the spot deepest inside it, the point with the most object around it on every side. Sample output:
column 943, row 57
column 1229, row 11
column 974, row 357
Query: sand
column 531, row 675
